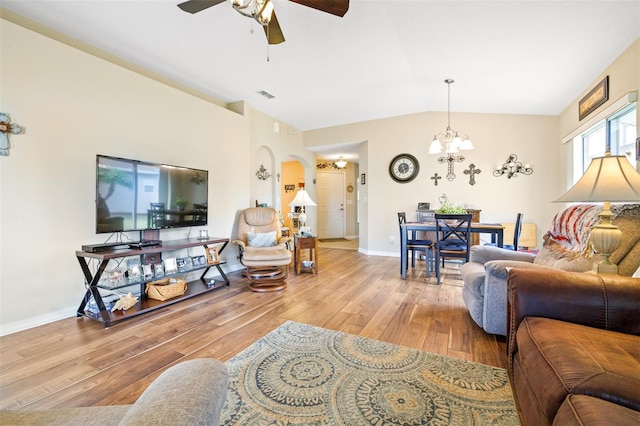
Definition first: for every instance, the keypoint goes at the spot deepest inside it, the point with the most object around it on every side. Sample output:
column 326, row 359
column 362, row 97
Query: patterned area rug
column 301, row 374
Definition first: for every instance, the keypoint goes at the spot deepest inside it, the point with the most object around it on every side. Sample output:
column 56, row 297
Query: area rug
column 302, row 374
column 331, row 240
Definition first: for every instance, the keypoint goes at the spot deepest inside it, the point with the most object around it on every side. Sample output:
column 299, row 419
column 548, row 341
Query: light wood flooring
column 76, row 362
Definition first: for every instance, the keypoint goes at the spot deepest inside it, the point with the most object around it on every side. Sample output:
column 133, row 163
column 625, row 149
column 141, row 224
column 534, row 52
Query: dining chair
column 415, row 244
column 199, row 214
column 453, row 238
column 517, row 229
column 158, row 215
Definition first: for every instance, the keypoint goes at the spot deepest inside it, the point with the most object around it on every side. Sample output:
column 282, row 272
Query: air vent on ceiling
column 266, row 94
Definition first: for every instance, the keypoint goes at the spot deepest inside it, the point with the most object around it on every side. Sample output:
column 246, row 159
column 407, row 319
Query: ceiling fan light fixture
column 264, row 17
column 260, row 10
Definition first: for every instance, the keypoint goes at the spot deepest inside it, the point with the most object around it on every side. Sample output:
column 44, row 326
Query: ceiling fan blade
column 194, row 6
column 274, row 34
column 334, row 7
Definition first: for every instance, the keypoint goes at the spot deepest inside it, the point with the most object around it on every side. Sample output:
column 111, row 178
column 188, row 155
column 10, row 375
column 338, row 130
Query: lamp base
column 600, row 268
column 605, row 239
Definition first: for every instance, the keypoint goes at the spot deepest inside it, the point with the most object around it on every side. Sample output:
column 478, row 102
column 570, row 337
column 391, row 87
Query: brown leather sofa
column 574, row 347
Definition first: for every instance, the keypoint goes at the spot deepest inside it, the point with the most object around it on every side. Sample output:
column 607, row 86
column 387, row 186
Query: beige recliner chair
column 263, row 249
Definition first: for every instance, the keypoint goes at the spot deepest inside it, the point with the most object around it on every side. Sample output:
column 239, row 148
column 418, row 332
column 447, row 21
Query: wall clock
column 404, row 168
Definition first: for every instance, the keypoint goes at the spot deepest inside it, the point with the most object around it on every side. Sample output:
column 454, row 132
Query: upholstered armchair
column 263, row 249
column 566, row 247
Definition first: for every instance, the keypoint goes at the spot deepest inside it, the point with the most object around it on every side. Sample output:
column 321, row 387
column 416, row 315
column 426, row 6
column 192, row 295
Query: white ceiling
column 383, row 59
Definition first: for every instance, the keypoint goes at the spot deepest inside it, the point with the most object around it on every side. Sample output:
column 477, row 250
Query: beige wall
column 74, row 106
column 271, row 148
column 533, row 138
column 624, row 77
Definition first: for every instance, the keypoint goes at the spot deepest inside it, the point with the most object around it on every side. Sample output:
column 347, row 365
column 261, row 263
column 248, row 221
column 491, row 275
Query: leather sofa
column 566, row 247
column 574, row 347
column 190, row 393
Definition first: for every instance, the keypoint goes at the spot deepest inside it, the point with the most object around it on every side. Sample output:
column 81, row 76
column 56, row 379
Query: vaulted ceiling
column 382, row 59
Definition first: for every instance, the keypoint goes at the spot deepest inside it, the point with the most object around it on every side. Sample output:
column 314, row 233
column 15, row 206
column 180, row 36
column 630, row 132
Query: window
column 616, row 133
column 622, row 133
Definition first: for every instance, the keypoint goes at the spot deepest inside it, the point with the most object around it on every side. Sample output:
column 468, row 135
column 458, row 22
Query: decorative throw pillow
column 263, row 239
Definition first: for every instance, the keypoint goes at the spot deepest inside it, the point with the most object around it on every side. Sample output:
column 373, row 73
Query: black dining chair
column 415, row 244
column 517, row 229
column 453, row 238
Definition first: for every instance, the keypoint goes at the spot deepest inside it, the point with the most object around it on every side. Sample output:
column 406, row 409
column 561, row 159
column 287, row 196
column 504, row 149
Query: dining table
column 496, row 230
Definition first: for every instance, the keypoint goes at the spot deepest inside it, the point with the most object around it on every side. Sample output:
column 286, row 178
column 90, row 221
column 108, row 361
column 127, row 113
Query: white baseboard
column 28, row 323
column 50, row 317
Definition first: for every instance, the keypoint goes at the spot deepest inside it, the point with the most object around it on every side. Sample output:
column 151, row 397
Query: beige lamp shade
column 302, row 199
column 608, row 178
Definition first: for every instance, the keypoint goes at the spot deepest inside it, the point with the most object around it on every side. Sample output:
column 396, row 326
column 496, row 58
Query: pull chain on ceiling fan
column 262, row 12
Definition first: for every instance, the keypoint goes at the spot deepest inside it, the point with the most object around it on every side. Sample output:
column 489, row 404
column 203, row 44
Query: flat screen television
column 134, row 195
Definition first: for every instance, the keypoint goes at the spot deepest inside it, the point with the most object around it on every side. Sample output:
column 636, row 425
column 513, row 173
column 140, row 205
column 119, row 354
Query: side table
column 302, row 243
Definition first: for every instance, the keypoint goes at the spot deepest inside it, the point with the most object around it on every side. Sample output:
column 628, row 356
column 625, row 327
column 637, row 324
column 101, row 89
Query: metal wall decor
column 6, row 128
column 262, row 173
column 328, row 165
column 289, row 188
column 472, row 171
column 435, row 178
column 512, row 167
column 450, row 159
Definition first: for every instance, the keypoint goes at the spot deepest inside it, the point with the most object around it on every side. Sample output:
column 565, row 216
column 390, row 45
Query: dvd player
column 97, row 248
column 145, row 243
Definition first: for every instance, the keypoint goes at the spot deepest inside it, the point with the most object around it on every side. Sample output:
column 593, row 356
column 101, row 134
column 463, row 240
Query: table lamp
column 608, row 179
column 302, row 199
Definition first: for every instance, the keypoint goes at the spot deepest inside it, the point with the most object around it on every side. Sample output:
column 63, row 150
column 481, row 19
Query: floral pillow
column 261, row 239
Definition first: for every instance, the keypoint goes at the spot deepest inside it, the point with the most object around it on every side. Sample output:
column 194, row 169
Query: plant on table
column 450, row 208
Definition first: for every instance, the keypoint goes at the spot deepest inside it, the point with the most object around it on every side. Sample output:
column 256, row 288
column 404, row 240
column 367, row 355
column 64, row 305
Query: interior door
column 331, row 199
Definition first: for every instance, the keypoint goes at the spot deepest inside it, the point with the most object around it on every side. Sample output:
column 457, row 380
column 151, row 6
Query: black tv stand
column 96, row 282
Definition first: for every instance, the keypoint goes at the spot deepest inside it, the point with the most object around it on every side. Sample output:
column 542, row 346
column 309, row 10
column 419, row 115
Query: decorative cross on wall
column 450, row 159
column 472, row 172
column 6, row 128
column 435, row 178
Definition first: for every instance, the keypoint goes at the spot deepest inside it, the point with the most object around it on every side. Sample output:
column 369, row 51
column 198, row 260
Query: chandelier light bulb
column 466, row 144
column 436, row 146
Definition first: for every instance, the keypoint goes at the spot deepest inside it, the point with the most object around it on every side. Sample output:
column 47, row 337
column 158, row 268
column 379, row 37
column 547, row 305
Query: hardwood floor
column 76, row 362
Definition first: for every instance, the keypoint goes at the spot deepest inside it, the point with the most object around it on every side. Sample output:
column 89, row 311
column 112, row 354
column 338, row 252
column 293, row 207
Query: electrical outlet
column 392, row 239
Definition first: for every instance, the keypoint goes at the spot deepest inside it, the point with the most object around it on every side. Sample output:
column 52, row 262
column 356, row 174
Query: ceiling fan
column 262, row 11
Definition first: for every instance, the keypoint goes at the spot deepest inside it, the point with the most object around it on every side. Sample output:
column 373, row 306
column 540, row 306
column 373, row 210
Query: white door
column 331, row 199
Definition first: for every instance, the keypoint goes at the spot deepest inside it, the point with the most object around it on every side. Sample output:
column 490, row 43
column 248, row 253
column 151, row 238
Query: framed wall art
column 596, row 97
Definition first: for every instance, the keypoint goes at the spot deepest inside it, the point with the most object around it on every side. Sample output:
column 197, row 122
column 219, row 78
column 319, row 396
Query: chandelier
column 449, row 137
column 260, row 10
column 341, row 163
column 452, row 141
